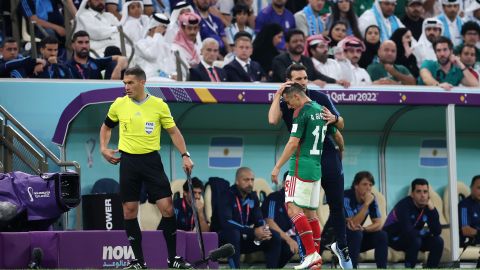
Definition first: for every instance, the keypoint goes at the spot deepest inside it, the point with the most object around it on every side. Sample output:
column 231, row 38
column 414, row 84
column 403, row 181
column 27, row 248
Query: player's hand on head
column 283, row 86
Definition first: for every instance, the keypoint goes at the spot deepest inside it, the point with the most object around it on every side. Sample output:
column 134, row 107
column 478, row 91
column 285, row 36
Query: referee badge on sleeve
column 149, row 126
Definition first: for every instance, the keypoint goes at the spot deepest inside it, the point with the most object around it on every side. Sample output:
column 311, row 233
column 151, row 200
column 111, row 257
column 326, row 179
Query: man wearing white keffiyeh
column 452, row 23
column 381, row 15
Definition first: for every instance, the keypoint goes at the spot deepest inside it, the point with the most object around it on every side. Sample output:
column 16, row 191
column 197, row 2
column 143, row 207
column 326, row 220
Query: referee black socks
column 169, row 227
column 135, row 237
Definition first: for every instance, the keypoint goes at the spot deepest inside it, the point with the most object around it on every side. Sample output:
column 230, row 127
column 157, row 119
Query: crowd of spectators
column 348, row 42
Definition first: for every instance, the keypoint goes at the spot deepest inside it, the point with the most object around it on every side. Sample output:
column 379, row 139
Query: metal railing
column 14, row 147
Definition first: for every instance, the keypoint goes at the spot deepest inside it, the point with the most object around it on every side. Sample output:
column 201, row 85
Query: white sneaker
column 312, row 261
column 343, row 256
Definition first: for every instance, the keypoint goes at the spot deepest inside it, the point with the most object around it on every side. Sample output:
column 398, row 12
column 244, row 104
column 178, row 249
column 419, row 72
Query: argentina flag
column 225, row 152
column 433, row 153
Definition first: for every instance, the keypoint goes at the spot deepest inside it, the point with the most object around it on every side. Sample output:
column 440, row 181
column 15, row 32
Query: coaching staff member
column 141, row 117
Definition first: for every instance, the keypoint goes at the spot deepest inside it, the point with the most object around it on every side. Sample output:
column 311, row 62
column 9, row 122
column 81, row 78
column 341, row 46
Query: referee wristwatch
column 186, row 154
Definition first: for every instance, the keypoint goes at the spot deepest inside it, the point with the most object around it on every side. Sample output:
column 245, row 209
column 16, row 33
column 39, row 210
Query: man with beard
column 211, row 26
column 185, row 43
column 82, row 66
column 452, row 23
column 381, row 15
column 423, row 50
column 295, row 46
column 448, row 71
column 242, row 224
column 352, row 48
column 405, row 226
column 101, row 26
column 54, row 68
column 317, row 49
column 387, row 72
column 413, row 17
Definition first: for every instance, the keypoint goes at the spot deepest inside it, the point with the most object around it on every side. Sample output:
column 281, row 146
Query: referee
column 141, row 117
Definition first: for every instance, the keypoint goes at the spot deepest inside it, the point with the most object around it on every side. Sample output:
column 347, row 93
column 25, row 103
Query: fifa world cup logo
column 30, row 193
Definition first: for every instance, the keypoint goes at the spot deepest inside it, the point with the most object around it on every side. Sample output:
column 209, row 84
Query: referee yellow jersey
column 140, row 123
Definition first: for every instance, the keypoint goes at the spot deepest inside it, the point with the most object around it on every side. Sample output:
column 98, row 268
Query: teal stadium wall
column 39, row 105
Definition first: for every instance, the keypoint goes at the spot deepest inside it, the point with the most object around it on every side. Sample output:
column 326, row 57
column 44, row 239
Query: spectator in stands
column 153, row 53
column 372, row 44
column 275, row 13
column 386, row 71
column 174, row 25
column 472, row 12
column 309, row 19
column 405, row 57
column 468, row 58
column 470, row 36
column 54, row 68
column 240, row 14
column 451, row 21
column 423, row 50
column 45, row 13
column 448, row 71
column 183, row 207
column 112, row 6
column 381, row 15
column 354, row 49
column 211, row 25
column 275, row 213
column 405, row 226
column 242, row 223
column 295, row 46
column 242, row 68
column 185, row 42
column 337, row 32
column 101, row 26
column 206, row 71
column 413, row 19
column 343, row 10
column 360, row 203
column 317, row 50
column 133, row 21
column 82, row 66
column 265, row 46
column 468, row 215
column 14, row 65
column 361, row 6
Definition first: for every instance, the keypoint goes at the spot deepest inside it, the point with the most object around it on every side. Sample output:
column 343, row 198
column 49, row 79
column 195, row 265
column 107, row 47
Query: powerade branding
column 117, row 256
column 108, row 214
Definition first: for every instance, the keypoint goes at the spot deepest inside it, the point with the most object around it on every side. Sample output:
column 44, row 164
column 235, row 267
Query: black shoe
column 135, row 264
column 179, row 263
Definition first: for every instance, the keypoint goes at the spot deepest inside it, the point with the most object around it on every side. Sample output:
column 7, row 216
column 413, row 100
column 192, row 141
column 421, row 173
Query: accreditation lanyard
column 418, row 218
column 80, row 69
column 240, row 210
column 184, row 206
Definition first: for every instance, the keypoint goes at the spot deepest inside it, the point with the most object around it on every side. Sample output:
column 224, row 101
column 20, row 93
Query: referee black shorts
column 138, row 169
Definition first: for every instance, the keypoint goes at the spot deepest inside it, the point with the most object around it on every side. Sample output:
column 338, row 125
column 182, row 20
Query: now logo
column 117, row 253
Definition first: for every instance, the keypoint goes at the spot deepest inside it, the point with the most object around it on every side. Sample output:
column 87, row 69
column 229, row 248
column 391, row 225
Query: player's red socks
column 316, row 232
column 305, row 232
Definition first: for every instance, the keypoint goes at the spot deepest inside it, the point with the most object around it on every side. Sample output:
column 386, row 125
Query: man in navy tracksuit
column 469, row 216
column 332, row 171
column 275, row 213
column 406, row 229
column 242, row 224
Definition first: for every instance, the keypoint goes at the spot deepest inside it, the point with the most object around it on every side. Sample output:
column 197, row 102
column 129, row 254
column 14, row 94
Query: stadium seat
column 149, row 216
column 262, row 188
column 207, row 196
column 177, row 188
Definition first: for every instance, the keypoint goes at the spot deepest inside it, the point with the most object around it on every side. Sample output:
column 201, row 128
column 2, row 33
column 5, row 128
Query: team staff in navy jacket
column 469, row 214
column 406, row 229
column 242, row 223
column 183, row 207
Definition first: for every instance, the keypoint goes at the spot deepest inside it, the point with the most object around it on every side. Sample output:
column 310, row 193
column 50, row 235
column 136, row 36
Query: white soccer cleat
column 312, row 261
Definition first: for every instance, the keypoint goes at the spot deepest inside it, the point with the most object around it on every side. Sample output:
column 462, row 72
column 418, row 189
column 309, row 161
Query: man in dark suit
column 242, row 68
column 295, row 43
column 205, row 71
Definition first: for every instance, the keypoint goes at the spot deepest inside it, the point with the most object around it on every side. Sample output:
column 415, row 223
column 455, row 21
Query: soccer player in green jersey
column 302, row 186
